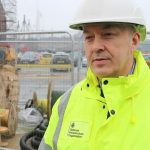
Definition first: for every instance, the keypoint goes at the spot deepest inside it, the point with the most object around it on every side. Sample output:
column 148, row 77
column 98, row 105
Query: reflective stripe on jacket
column 80, row 119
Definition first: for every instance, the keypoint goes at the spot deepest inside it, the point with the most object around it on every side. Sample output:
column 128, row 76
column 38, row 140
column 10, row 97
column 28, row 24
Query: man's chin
column 102, row 73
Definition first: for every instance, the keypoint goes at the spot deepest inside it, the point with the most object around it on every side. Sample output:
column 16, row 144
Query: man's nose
column 98, row 45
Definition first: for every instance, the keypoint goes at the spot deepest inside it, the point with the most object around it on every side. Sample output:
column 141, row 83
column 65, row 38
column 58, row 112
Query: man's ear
column 135, row 41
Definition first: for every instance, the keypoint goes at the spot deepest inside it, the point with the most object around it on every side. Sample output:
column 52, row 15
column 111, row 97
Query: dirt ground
column 13, row 142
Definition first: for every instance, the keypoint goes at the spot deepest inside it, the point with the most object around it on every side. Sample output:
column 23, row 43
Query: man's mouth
column 100, row 60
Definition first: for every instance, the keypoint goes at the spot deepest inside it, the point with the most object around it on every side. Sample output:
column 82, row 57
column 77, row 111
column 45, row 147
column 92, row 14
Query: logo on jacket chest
column 78, row 130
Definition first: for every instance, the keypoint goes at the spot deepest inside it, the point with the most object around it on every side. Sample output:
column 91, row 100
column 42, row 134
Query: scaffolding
column 2, row 18
column 10, row 13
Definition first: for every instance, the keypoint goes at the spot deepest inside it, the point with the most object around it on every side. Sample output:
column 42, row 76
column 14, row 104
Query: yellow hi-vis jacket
column 84, row 120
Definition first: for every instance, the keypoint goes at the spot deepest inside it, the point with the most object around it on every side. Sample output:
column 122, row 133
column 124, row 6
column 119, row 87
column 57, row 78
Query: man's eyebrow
column 103, row 27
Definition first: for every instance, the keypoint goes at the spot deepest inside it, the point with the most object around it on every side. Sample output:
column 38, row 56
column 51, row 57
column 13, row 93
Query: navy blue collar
column 133, row 67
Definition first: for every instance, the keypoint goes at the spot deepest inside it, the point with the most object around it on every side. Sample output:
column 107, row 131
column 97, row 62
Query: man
column 109, row 110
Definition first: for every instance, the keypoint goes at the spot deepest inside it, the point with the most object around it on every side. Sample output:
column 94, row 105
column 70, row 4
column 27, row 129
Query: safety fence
column 145, row 46
column 38, row 58
column 35, row 64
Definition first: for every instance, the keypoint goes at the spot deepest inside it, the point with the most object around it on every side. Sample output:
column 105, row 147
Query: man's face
column 109, row 49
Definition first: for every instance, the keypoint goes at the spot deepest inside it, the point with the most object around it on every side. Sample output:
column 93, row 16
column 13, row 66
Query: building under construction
column 7, row 15
column 2, row 18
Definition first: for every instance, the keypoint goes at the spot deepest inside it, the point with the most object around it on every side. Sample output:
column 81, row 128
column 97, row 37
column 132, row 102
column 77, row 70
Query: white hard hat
column 122, row 11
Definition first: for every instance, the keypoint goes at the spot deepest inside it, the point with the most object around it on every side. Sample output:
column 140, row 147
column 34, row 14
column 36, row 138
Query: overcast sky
column 47, row 14
column 56, row 14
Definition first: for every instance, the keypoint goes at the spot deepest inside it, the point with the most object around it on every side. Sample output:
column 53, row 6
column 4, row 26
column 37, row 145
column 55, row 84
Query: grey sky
column 56, row 14
column 47, row 14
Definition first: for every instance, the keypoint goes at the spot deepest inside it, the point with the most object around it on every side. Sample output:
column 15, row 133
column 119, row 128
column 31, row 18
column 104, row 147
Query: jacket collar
column 129, row 83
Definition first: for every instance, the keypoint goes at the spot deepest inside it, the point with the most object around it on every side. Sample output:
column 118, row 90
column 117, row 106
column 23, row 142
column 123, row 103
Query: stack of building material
column 9, row 95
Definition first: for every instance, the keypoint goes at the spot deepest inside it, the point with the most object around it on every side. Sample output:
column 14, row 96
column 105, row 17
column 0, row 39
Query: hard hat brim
column 139, row 28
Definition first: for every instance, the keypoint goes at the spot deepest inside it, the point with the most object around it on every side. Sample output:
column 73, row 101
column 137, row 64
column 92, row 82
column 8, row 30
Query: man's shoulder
column 79, row 85
column 74, row 88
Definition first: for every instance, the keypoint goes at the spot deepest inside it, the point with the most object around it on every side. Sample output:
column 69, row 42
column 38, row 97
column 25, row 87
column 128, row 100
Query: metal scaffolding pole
column 10, row 12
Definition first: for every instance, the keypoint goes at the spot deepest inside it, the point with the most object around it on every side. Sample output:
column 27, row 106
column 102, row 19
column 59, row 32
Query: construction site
column 36, row 68
column 30, row 82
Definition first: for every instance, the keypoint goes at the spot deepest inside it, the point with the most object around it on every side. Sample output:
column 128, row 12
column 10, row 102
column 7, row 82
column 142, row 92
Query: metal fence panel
column 33, row 69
